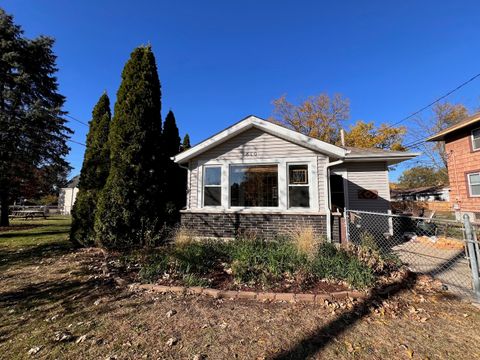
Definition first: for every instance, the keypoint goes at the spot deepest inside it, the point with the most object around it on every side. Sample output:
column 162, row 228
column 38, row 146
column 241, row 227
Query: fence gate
column 447, row 250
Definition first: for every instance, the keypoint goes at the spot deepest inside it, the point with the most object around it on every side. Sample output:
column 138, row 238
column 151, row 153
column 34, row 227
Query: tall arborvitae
column 94, row 173
column 186, row 143
column 174, row 178
column 130, row 205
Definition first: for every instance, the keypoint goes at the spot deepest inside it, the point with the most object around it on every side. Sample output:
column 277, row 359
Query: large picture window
column 476, row 139
column 254, row 185
column 212, row 186
column 474, row 184
column 298, row 187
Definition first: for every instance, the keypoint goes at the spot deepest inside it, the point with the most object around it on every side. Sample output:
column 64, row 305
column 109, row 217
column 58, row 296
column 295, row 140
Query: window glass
column 298, row 189
column 213, row 176
column 254, row 185
column 476, row 139
column 212, row 189
column 474, row 183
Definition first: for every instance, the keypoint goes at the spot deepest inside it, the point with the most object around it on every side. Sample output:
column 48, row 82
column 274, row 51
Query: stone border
column 251, row 295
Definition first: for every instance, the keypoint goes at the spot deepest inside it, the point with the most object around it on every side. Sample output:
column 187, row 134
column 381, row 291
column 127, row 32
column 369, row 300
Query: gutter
column 328, row 199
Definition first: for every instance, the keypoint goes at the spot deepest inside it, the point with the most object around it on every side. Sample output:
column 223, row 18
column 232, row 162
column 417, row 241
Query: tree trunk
column 4, row 209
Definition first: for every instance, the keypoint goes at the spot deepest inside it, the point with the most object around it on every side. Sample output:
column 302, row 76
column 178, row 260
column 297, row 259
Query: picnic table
column 29, row 214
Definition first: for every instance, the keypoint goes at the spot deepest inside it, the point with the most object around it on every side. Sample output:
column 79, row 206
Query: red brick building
column 462, row 145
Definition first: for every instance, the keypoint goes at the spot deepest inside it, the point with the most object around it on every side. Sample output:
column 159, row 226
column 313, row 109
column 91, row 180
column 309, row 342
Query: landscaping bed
column 296, row 264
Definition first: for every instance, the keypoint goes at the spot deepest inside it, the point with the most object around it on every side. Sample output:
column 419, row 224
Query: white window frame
column 473, row 140
column 470, row 183
column 204, row 171
column 309, row 184
column 254, row 207
column 282, row 184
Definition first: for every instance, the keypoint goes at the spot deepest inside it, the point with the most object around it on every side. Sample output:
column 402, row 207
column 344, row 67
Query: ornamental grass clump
column 305, row 241
column 263, row 262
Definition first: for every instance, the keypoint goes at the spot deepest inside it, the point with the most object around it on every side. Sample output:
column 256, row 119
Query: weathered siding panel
column 255, row 141
column 368, row 176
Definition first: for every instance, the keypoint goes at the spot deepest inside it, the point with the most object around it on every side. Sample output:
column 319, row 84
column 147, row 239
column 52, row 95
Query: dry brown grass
column 183, row 236
column 66, row 291
column 304, row 239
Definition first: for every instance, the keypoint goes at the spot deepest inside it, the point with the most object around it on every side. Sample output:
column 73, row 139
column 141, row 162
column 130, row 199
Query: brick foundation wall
column 267, row 226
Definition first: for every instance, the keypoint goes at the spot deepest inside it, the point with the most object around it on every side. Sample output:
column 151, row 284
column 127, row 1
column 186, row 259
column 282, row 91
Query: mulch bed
column 17, row 227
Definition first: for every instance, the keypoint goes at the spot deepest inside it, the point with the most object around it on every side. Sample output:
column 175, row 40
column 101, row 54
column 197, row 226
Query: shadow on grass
column 33, row 254
column 322, row 336
column 312, row 344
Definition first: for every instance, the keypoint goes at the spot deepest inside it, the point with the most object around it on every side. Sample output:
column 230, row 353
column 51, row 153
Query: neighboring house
column 462, row 146
column 256, row 176
column 425, row 193
column 67, row 196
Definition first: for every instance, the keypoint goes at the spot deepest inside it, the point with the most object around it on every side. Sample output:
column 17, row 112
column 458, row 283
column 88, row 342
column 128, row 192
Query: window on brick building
column 476, row 139
column 474, row 184
column 212, row 186
column 254, row 185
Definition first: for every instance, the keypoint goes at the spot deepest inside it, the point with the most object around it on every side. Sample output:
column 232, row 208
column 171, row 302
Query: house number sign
column 250, row 153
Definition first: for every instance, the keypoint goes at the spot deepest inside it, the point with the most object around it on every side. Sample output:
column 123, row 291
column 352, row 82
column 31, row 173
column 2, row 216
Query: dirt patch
column 16, row 227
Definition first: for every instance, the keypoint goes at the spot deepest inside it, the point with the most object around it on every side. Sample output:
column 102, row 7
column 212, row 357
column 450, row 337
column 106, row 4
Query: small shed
column 68, row 195
column 257, row 176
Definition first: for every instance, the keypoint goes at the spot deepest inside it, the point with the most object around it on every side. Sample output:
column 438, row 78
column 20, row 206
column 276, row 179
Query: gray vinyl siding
column 255, row 141
column 322, row 177
column 368, row 176
column 193, row 186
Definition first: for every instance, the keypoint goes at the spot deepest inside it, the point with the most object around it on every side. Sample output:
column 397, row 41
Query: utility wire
column 79, row 121
column 76, row 142
column 436, row 101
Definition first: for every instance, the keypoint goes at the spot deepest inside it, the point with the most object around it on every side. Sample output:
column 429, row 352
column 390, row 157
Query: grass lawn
column 63, row 303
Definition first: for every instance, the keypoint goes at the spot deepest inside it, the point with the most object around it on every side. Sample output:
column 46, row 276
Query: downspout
column 329, row 205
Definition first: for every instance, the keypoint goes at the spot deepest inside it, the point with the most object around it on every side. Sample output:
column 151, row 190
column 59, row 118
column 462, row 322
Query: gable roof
column 333, row 151
column 471, row 120
column 267, row 126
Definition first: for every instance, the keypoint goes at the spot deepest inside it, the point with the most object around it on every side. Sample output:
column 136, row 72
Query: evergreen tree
column 174, row 175
column 129, row 206
column 186, row 143
column 33, row 131
column 94, row 173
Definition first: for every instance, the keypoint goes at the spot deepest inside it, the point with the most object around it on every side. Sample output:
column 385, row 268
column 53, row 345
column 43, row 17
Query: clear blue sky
column 219, row 61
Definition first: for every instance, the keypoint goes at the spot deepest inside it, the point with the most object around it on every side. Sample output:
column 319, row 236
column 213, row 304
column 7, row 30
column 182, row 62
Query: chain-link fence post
column 472, row 255
column 347, row 225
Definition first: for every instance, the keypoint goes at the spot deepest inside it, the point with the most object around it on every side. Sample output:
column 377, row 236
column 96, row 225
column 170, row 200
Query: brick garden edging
column 251, row 295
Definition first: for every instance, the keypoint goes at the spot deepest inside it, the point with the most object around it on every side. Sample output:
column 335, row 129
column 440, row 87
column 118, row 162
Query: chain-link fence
column 436, row 247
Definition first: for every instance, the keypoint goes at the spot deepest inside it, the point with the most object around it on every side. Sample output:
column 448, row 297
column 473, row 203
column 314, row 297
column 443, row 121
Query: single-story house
column 68, row 195
column 257, row 176
column 424, row 193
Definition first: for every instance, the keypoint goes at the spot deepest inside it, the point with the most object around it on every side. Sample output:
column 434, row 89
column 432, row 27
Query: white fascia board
column 391, row 159
column 273, row 129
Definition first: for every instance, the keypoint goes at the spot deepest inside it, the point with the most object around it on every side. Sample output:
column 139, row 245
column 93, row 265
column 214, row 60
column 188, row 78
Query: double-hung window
column 476, row 139
column 474, row 184
column 212, row 186
column 298, row 186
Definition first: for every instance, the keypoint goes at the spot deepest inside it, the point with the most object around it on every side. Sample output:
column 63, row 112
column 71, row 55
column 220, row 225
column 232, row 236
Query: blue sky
column 219, row 61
